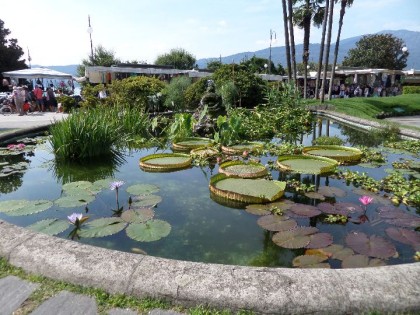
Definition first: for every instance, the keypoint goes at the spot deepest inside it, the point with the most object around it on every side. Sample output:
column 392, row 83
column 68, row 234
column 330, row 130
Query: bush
column 411, row 89
column 195, row 92
column 67, row 102
column 324, row 140
column 175, row 93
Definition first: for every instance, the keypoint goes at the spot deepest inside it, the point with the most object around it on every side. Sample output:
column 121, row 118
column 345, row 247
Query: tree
column 321, row 48
column 344, row 4
column 383, row 51
column 214, row 65
column 257, row 65
column 10, row 52
column 327, row 48
column 101, row 57
column 178, row 57
column 286, row 39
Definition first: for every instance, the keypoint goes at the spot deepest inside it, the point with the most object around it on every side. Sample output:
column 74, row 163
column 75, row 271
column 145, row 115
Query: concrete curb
column 262, row 290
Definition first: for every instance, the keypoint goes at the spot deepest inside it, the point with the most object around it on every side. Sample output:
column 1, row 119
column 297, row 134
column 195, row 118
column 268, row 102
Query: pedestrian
column 38, row 98
column 19, row 99
column 51, row 100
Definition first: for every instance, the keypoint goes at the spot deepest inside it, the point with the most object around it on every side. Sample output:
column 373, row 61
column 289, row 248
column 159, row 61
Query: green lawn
column 369, row 107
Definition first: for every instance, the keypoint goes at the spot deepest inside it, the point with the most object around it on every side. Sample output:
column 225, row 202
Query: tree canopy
column 101, row 57
column 178, row 57
column 10, row 52
column 383, row 51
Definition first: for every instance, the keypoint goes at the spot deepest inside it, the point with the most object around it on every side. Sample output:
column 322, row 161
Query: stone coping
column 262, row 290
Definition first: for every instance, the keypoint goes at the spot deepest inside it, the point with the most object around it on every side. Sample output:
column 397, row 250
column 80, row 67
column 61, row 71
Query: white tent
column 35, row 73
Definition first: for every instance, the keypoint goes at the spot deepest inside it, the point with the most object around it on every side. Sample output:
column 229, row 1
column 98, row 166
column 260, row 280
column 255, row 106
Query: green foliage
column 10, row 52
column 383, row 51
column 134, row 91
column 335, row 218
column 195, row 92
column 101, row 57
column 229, row 94
column 407, row 89
column 408, row 145
column 90, row 95
column 174, row 93
column 229, row 130
column 213, row 65
column 182, row 127
column 67, row 102
column 325, row 140
column 256, row 65
column 250, row 87
column 178, row 58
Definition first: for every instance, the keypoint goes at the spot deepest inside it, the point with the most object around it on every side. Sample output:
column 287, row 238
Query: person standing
column 38, row 98
column 51, row 100
column 19, row 99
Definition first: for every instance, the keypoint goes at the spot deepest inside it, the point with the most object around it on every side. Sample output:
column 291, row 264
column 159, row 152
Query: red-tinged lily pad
column 328, row 191
column 258, row 209
column 269, row 208
column 310, row 261
column 328, row 208
column 338, row 251
column 296, row 238
column 348, row 207
column 404, row 236
column 305, row 210
column 320, row 240
column 319, row 252
column 276, row 223
column 391, row 212
column 361, row 261
column 373, row 246
column 410, row 223
column 315, row 195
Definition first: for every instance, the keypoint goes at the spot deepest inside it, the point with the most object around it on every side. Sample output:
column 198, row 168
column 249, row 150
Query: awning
column 35, row 73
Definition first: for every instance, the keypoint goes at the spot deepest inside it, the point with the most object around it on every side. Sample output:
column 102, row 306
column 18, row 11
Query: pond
column 201, row 228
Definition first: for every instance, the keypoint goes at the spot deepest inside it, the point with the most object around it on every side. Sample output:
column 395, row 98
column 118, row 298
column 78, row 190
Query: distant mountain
column 278, row 54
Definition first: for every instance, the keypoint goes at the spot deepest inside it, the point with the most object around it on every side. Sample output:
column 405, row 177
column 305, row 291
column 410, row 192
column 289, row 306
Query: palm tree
column 344, row 4
column 321, row 49
column 327, row 52
column 292, row 37
column 286, row 39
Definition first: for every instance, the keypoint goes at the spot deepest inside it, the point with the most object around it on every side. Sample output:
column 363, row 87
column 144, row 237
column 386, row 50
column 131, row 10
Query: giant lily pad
column 339, row 153
column 246, row 190
column 304, row 164
column 242, row 169
column 373, row 246
column 276, row 223
column 142, row 189
column 240, row 148
column 310, row 261
column 102, row 227
column 296, row 238
column 404, row 236
column 361, row 261
column 303, row 210
column 162, row 162
column 191, row 143
column 149, row 231
column 49, row 226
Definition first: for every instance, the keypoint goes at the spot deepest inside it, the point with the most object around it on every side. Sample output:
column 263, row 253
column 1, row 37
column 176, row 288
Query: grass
column 105, row 301
column 369, row 107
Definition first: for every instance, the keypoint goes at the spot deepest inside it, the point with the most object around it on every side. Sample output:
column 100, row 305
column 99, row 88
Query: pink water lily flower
column 365, row 200
column 75, row 216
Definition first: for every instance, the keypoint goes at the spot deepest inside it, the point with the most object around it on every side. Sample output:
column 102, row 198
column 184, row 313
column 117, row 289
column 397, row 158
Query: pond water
column 202, row 229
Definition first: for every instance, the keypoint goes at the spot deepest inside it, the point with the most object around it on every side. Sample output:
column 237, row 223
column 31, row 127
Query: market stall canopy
column 35, row 73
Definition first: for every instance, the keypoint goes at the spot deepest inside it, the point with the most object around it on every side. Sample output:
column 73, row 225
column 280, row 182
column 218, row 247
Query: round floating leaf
column 246, row 190
column 319, row 252
column 74, row 200
column 373, row 246
column 315, row 195
column 305, row 164
column 241, row 169
column 258, row 209
column 102, row 184
column 146, row 201
column 310, row 261
column 348, row 207
column 149, row 231
column 204, row 152
column 328, row 208
column 162, row 162
column 339, row 153
column 329, row 191
column 320, row 240
column 138, row 215
column 276, row 223
column 191, row 143
column 361, row 261
column 297, row 238
column 305, row 210
column 75, row 187
column 13, row 205
column 142, row 189
column 404, row 236
column 49, row 226
column 240, row 148
column 398, row 217
column 338, row 251
column 34, row 206
column 102, row 227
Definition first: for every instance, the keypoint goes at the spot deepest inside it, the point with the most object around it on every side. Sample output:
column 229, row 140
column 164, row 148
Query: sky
column 56, row 32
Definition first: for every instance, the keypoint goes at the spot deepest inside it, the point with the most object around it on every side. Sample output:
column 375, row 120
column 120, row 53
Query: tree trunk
column 337, row 43
column 292, row 38
column 327, row 52
column 321, row 50
column 286, row 39
column 305, row 56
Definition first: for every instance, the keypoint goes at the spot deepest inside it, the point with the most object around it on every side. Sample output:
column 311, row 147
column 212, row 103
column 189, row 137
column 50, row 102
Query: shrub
column 67, row 102
column 325, row 140
column 408, row 89
column 174, row 93
column 195, row 92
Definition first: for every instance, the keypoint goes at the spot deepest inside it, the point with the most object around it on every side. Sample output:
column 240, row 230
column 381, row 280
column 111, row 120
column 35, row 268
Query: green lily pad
column 142, row 189
column 149, row 231
column 361, row 261
column 296, row 238
column 74, row 200
column 75, row 187
column 146, row 201
column 305, row 164
column 34, row 206
column 102, row 184
column 276, row 223
column 102, row 227
column 246, row 190
column 13, row 205
column 49, row 226
column 310, row 261
column 138, row 215
column 373, row 246
column 329, row 191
